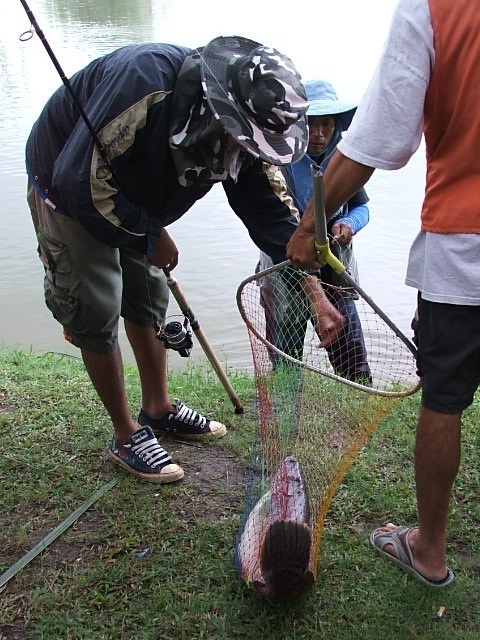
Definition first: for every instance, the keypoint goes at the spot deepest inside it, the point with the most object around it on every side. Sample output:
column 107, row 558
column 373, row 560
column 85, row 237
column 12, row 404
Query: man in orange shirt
column 422, row 86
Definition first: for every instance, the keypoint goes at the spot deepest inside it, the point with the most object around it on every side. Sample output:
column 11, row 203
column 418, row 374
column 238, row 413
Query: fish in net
column 316, row 408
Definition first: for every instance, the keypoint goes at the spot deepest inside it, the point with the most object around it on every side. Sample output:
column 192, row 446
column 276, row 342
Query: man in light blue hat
column 327, row 119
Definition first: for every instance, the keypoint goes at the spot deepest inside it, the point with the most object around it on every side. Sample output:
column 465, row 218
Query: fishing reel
column 177, row 336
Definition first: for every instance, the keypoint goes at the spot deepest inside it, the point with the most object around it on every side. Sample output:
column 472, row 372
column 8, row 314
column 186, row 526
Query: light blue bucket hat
column 323, row 101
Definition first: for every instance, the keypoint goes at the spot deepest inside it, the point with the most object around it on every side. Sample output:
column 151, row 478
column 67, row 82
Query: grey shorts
column 89, row 285
column 448, row 339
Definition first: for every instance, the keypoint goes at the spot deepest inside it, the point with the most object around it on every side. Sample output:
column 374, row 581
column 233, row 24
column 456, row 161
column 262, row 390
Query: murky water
column 215, row 250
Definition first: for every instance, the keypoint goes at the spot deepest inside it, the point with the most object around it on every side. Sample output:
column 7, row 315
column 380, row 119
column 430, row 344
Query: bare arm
column 343, row 178
column 328, row 321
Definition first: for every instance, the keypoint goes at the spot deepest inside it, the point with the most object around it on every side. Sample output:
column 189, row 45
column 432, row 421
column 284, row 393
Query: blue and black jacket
column 127, row 98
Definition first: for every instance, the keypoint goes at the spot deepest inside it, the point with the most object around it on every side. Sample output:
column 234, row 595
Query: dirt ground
column 214, row 467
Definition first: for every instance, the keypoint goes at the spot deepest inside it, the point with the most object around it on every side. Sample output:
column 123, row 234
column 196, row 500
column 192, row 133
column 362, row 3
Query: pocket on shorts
column 65, row 296
column 66, row 304
column 54, row 253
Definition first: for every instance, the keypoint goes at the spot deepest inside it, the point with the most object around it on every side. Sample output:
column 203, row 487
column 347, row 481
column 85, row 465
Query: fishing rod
column 172, row 282
column 26, row 36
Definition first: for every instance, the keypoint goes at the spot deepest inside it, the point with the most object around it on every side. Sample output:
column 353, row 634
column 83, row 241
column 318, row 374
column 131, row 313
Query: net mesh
column 309, row 426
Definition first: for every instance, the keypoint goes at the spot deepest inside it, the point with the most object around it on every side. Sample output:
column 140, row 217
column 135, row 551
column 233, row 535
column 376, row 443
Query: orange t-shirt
column 452, row 120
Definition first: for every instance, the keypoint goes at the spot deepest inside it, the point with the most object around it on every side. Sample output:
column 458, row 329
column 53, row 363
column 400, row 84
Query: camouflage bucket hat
column 258, row 96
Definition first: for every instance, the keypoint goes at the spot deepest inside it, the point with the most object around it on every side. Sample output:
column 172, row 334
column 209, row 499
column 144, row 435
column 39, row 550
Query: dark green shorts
column 89, row 285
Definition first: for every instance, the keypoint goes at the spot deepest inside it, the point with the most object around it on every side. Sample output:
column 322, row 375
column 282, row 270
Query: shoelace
column 189, row 416
column 150, row 452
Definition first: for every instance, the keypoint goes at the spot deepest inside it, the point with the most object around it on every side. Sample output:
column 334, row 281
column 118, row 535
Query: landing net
column 316, row 408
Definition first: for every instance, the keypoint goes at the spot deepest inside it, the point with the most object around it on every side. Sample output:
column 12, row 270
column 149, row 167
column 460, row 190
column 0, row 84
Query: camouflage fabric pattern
column 258, row 96
column 197, row 138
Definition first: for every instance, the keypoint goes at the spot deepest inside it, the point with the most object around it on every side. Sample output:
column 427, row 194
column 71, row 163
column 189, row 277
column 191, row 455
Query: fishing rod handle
column 202, row 339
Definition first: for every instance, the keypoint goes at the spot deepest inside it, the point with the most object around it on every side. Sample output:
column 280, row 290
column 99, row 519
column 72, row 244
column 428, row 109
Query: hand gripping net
column 309, row 426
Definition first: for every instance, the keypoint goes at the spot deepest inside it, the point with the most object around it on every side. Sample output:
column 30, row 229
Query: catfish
column 275, row 547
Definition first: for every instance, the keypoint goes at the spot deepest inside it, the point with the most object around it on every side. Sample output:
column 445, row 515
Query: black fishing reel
column 177, row 336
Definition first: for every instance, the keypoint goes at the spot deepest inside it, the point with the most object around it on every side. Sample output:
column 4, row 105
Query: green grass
column 94, row 582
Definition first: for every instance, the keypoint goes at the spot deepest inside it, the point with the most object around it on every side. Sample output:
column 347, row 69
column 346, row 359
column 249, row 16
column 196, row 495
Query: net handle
column 322, row 245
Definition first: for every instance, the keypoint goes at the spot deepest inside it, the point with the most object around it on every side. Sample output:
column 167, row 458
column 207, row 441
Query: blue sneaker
column 144, row 457
column 184, row 422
